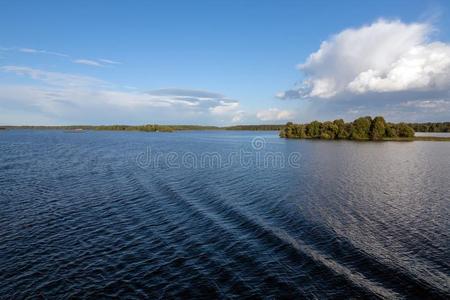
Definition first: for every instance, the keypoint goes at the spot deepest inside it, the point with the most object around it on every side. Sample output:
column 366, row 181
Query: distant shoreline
column 425, row 127
column 150, row 127
column 77, row 129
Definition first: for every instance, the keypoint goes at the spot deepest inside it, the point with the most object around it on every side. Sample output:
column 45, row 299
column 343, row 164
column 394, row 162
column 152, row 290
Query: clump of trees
column 364, row 128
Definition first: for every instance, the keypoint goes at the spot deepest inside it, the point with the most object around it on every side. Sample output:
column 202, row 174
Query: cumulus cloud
column 383, row 57
column 424, row 67
column 75, row 98
column 274, row 114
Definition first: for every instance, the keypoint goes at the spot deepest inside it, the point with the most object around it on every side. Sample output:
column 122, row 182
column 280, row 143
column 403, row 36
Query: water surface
column 87, row 215
column 436, row 134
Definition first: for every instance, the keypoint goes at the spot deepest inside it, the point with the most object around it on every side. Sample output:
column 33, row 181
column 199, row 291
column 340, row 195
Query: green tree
column 329, row 131
column 403, row 130
column 286, row 132
column 299, row 131
column 391, row 131
column 342, row 129
column 361, row 128
column 313, row 129
column 377, row 128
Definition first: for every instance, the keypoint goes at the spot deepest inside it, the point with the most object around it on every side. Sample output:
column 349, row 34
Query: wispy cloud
column 75, row 98
column 108, row 61
column 96, row 63
column 215, row 103
column 429, row 106
column 55, row 78
column 39, row 51
column 88, row 62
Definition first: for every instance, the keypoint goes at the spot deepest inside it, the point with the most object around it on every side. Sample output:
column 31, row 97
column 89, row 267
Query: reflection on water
column 79, row 217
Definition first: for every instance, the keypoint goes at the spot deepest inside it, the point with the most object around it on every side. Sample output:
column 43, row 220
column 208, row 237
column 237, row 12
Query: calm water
column 88, row 215
column 437, row 134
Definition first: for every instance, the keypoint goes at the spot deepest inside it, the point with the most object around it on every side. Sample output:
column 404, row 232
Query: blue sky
column 222, row 62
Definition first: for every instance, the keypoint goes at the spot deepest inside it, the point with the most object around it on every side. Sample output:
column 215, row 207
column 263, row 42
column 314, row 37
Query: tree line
column 417, row 127
column 153, row 127
column 364, row 128
column 146, row 128
column 267, row 127
column 431, row 127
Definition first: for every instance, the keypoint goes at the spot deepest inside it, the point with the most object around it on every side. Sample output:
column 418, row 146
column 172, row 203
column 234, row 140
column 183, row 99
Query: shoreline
column 397, row 139
column 413, row 139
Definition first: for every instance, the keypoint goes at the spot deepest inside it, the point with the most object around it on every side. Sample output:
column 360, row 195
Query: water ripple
column 80, row 219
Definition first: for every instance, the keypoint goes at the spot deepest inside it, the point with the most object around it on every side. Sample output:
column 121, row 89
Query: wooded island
column 364, row 128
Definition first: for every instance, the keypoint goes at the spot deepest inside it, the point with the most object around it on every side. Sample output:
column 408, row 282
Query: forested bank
column 430, row 127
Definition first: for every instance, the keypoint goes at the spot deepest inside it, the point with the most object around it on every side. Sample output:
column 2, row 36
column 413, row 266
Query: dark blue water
column 95, row 214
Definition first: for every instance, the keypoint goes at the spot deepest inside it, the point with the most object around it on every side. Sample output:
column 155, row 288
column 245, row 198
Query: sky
column 222, row 62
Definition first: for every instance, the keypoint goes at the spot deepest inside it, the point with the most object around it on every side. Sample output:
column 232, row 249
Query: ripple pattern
column 80, row 219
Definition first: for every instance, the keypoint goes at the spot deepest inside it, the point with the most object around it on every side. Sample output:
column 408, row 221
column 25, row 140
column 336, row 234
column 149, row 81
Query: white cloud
column 238, row 116
column 386, row 56
column 96, row 63
column 54, row 78
column 82, row 99
column 274, row 114
column 224, row 107
column 108, row 61
column 88, row 62
column 433, row 106
column 28, row 50
column 423, row 67
column 39, row 51
column 215, row 103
